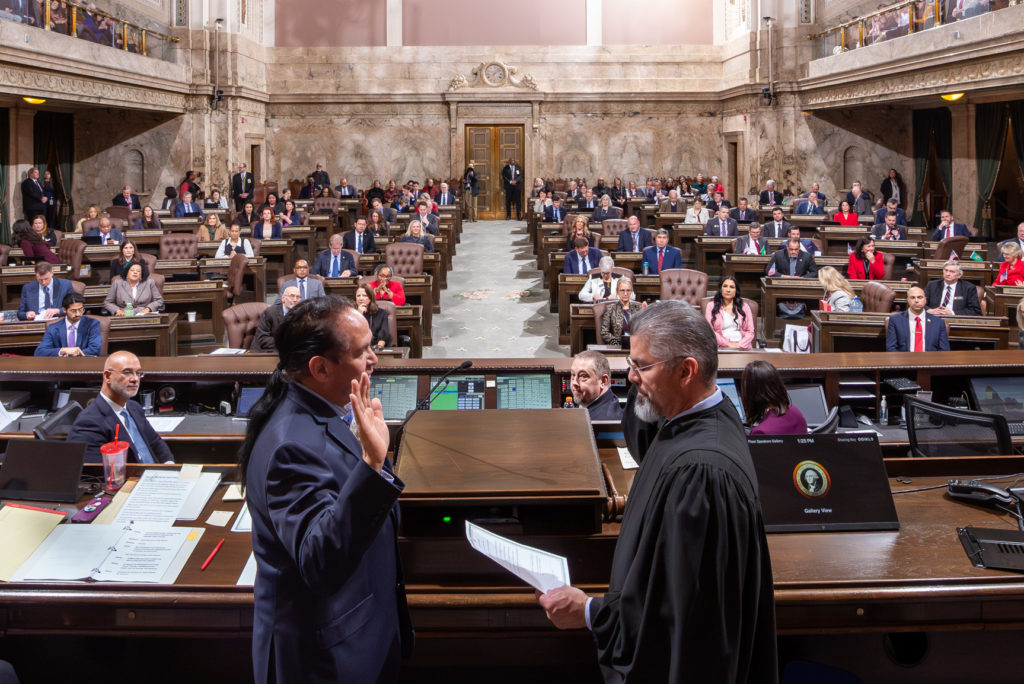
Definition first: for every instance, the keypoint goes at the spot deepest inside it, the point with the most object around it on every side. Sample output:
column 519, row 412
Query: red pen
column 212, row 554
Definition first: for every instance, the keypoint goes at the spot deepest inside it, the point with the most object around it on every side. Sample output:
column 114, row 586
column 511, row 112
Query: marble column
column 21, row 156
column 965, row 166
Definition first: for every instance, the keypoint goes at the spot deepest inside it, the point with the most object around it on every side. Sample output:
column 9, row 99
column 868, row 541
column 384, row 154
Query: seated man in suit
column 42, row 297
column 721, row 225
column 805, row 245
column 719, row 202
column 187, row 206
column 343, row 190
column 792, row 262
column 588, row 202
column 127, row 199
column 308, row 287
column 891, row 205
column 428, row 221
column 672, row 205
column 951, row 295
column 107, row 234
column 778, row 227
column 270, row 319
column 96, row 425
column 810, row 206
column 445, row 198
column 889, row 230
column 582, row 258
column 590, row 379
column 555, row 213
column 601, row 286
column 769, row 197
column 661, row 256
column 334, row 262
column 573, row 194
column 816, row 189
column 751, row 243
column 915, row 329
column 359, row 239
column 635, row 239
column 742, row 212
column 76, row 335
column 948, row 227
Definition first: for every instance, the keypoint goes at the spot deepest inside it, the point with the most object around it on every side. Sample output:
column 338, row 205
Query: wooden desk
column 278, row 255
column 668, row 219
column 147, row 240
column 980, row 248
column 841, row 332
column 977, row 272
column 684, row 236
column 1002, row 300
column 255, row 273
column 418, row 290
column 569, row 285
column 12, row 278
column 142, row 335
column 180, row 225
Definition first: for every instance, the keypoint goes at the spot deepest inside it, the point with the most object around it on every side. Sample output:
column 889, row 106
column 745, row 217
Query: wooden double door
column 490, row 148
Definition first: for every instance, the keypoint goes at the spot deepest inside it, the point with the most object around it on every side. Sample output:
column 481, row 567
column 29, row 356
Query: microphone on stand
column 424, row 404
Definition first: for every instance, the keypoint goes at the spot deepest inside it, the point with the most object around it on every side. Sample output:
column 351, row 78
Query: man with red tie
column 915, row 329
column 662, row 256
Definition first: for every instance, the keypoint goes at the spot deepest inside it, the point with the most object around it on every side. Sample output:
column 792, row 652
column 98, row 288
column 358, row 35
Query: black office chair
column 938, row 430
column 830, row 424
column 58, row 425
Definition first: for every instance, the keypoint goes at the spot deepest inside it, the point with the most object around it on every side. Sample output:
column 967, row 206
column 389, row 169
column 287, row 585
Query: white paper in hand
column 541, row 570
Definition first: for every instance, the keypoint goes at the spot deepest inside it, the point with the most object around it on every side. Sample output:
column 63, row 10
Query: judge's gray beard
column 644, row 410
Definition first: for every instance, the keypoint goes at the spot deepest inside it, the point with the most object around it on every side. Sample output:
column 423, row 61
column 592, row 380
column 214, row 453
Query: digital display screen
column 462, row 393
column 397, row 394
column 1003, row 396
column 529, row 391
column 731, row 392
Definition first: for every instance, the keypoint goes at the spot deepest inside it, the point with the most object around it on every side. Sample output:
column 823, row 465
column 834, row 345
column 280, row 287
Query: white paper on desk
column 248, row 576
column 228, row 351
column 627, row 460
column 156, row 499
column 165, row 423
column 541, row 570
column 143, row 555
column 201, row 493
column 219, row 518
column 243, row 523
column 8, row 417
column 71, row 552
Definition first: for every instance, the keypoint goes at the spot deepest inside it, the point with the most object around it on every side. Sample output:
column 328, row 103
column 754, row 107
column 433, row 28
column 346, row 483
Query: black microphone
column 424, row 404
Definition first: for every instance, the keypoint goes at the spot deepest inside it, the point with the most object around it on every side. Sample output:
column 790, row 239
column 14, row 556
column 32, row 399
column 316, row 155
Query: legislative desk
column 180, row 225
column 12, row 278
column 278, row 255
column 418, row 290
column 155, row 335
column 1002, row 300
column 834, row 331
column 255, row 273
column 712, row 251
column 684, row 236
column 631, row 260
column 569, row 285
column 977, row 272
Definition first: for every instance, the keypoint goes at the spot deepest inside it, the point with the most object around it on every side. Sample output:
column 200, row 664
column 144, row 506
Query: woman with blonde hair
column 212, row 230
column 837, row 289
column 580, row 229
column 93, row 212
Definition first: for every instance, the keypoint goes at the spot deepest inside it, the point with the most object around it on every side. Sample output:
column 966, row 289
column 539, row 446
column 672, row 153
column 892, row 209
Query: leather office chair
column 1020, row 322
column 404, row 258
column 104, row 322
column 178, row 246
column 236, row 275
column 685, row 284
column 877, row 298
column 612, row 227
column 4, row 254
column 830, row 425
column 91, row 224
column 389, row 307
column 256, row 243
column 241, row 321
column 947, row 246
column 939, row 430
column 78, row 287
column 70, row 253
column 326, row 205
column 889, row 260
column 984, row 305
column 149, row 260
column 599, row 308
column 755, row 311
column 123, row 213
column 58, row 425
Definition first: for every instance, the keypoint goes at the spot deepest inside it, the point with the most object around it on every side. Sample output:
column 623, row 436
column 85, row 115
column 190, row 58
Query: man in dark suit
column 33, row 199
column 742, row 212
column 359, row 239
column 721, row 225
column 330, row 601
column 582, row 258
column 587, row 202
column 445, row 198
column 751, row 243
column 555, row 213
column 915, row 329
column 334, row 262
column 591, row 385
column 346, row 191
column 948, row 227
column 242, row 184
column 769, row 197
column 810, row 206
column 889, row 230
column 891, row 205
column 951, row 295
column 428, row 221
column 792, row 262
column 573, row 194
column 187, row 206
column 778, row 227
column 512, row 178
column 860, row 201
column 272, row 316
column 42, row 297
column 662, row 256
column 636, row 239
column 96, row 425
column 107, row 234
column 75, row 334
column 718, row 202
column 320, row 176
column 127, row 199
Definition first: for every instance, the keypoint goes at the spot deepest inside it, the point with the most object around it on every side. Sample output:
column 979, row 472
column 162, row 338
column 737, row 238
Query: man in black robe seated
column 591, row 383
column 690, row 596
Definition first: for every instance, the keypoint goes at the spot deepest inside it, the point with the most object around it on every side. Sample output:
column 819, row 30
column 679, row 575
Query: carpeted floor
column 495, row 304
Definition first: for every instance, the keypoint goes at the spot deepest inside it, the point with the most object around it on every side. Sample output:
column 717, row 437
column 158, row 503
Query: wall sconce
column 34, row 100
column 951, row 97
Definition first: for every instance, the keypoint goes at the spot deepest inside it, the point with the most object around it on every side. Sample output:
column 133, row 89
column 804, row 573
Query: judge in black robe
column 638, row 433
column 690, row 597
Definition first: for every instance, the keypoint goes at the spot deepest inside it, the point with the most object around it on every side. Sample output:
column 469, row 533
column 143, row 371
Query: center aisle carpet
column 495, row 304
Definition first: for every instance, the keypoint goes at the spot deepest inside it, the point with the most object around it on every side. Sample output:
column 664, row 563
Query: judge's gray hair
column 674, row 329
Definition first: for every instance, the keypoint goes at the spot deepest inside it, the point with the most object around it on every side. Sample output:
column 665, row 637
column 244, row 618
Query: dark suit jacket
column 329, row 594
column 430, row 225
column 241, row 183
column 550, row 215
column 508, row 175
column 770, row 198
column 445, row 199
column 901, row 216
column 644, row 240
column 805, row 266
column 878, row 230
column 322, row 267
column 712, row 205
column 379, row 328
column 958, row 230
column 30, row 296
column 713, row 227
column 572, row 260
column 673, row 258
column 348, row 191
column 348, row 241
column 899, row 338
column 120, row 201
column 115, row 235
column 276, row 231
column 744, row 240
column 96, row 424
column 747, row 214
column 605, row 407
column 88, row 338
column 32, row 198
column 770, row 232
column 181, row 209
column 965, row 297
column 263, row 339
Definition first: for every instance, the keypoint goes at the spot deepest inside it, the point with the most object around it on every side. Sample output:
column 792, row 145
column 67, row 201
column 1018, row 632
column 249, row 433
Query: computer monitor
column 463, row 393
column 397, row 394
column 42, row 470
column 247, row 398
column 1001, row 395
column 810, row 399
column 731, row 392
column 525, row 391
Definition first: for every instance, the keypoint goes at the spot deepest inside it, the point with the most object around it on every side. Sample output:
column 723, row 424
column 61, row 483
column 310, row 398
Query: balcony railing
column 899, row 19
column 88, row 23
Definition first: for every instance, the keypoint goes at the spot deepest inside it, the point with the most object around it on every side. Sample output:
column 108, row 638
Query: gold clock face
column 494, row 74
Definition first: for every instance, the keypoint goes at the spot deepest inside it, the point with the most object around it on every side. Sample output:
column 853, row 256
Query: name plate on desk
column 24, row 326
column 224, row 263
column 276, row 243
column 714, row 240
column 144, row 233
column 977, row 321
column 854, row 317
column 417, row 280
column 748, row 258
column 61, row 269
column 138, row 321
column 196, row 285
column 1010, row 289
column 175, row 263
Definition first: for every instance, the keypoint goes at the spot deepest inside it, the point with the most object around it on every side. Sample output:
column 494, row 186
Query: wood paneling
column 491, row 147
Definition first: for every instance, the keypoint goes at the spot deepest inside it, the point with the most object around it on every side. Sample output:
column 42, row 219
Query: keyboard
column 1016, row 429
column 901, row 384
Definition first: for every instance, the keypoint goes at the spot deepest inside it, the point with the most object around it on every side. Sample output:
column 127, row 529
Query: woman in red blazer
column 1011, row 271
column 386, row 288
column 845, row 215
column 865, row 262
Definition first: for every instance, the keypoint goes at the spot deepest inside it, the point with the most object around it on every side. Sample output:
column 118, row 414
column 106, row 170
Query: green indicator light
column 446, row 519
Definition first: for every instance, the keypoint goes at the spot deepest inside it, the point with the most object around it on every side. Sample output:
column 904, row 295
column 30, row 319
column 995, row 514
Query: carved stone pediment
column 493, row 74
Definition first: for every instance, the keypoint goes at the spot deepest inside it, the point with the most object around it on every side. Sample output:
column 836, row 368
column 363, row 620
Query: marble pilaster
column 965, row 166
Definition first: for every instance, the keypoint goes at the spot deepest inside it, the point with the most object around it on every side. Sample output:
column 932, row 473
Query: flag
column 764, row 249
column 952, row 255
column 849, row 249
column 976, row 257
column 771, row 269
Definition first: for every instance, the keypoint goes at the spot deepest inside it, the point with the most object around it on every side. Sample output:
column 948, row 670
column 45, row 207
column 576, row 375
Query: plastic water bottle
column 883, row 413
column 646, row 268
column 856, row 305
column 129, row 308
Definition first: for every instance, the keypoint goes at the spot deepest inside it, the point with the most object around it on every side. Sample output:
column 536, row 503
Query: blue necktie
column 140, row 444
column 48, row 301
column 334, row 267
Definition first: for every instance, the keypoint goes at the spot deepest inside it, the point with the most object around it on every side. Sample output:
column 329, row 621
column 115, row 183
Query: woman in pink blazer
column 730, row 317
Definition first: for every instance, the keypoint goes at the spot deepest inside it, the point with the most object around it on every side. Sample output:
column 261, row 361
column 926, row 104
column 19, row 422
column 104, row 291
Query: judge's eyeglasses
column 639, row 369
